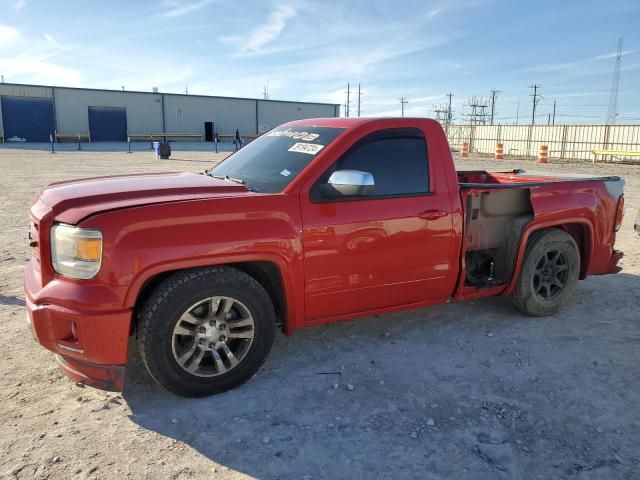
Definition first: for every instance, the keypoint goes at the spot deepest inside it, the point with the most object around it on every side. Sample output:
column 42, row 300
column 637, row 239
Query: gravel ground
column 463, row 391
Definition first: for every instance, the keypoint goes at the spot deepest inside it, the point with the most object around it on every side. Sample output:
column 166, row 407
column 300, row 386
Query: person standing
column 236, row 142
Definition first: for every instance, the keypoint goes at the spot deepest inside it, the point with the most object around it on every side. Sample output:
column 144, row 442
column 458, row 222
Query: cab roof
column 348, row 122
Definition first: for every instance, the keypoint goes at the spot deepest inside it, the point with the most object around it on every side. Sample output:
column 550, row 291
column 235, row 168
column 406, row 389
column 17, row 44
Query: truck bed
column 522, row 178
column 498, row 206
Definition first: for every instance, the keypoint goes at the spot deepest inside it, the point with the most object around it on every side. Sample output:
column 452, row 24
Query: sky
column 309, row 50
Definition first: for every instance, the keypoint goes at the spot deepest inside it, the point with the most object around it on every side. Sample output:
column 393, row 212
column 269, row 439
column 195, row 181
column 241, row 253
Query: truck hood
column 73, row 201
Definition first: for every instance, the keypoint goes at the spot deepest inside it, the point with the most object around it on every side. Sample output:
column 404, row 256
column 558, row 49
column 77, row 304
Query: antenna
column 266, row 91
column 612, row 113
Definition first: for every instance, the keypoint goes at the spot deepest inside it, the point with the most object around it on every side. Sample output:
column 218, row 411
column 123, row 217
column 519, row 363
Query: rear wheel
column 206, row 331
column 549, row 274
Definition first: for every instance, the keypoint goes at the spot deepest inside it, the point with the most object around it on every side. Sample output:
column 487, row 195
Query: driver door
column 383, row 250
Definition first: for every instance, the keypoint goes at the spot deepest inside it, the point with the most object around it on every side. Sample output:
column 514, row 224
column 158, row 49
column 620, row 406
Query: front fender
column 142, row 242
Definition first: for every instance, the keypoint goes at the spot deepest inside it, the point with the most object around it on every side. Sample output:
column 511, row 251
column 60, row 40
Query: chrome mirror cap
column 349, row 183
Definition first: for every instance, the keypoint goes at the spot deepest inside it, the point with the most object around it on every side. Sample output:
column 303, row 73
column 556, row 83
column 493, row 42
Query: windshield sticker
column 306, row 136
column 285, row 173
column 310, row 148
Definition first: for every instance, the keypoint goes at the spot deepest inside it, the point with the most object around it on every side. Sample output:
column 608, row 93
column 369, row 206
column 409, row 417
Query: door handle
column 432, row 214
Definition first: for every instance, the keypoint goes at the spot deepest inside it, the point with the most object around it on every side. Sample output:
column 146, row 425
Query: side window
column 397, row 160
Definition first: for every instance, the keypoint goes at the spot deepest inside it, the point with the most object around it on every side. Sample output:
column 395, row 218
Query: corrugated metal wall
column 144, row 110
column 564, row 141
column 187, row 114
column 272, row 114
column 182, row 113
column 12, row 90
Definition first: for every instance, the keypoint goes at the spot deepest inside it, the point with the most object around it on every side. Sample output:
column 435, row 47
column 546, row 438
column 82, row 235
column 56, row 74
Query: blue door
column 108, row 124
column 27, row 119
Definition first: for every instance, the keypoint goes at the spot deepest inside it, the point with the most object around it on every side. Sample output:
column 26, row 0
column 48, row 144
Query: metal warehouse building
column 33, row 112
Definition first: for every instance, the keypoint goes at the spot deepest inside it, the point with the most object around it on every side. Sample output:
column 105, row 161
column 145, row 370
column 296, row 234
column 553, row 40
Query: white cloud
column 20, row 4
column 178, row 9
column 612, row 55
column 271, row 30
column 39, row 72
column 9, row 35
column 556, row 67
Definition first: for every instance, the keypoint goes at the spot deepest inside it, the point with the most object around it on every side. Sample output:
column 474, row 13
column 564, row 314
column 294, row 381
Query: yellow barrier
column 615, row 153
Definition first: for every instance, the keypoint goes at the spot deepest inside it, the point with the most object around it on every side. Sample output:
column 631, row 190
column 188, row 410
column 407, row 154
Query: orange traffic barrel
column 543, row 154
column 499, row 151
column 465, row 150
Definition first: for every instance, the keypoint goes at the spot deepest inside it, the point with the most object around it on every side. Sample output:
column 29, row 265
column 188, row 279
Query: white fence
column 564, row 141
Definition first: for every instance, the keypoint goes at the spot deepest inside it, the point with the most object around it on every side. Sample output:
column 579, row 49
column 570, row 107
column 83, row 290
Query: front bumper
column 91, row 344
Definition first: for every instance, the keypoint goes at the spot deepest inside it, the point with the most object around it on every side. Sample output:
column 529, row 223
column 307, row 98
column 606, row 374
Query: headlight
column 76, row 252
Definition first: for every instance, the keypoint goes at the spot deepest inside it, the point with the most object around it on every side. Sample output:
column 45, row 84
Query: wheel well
column 582, row 236
column 266, row 274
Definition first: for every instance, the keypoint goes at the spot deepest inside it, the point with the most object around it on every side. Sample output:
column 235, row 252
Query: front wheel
column 549, row 274
column 205, row 331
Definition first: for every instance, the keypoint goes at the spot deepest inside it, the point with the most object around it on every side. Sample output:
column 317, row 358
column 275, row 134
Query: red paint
column 336, row 260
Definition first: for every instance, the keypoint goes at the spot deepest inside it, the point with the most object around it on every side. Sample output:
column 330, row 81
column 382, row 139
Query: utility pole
column 449, row 114
column 536, row 99
column 186, row 90
column 403, row 102
column 266, row 91
column 517, row 112
column 348, row 100
column 494, row 94
column 2, row 78
column 358, row 100
column 553, row 121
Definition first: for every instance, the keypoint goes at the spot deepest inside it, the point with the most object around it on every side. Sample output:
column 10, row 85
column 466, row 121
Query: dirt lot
column 458, row 391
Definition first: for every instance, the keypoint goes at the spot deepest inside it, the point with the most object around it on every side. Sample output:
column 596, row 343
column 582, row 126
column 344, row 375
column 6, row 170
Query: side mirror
column 349, row 183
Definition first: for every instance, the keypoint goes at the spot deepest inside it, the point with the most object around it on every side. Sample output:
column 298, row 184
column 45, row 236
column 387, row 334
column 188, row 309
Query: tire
column 544, row 287
column 189, row 313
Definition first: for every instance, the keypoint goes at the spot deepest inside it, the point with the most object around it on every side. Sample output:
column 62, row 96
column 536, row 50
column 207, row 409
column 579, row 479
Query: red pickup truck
column 315, row 221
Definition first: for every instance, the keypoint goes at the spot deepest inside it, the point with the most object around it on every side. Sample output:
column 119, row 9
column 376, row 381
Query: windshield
column 272, row 161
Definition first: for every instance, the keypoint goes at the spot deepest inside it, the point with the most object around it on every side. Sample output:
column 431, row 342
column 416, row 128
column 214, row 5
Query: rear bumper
column 91, row 345
column 616, row 256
